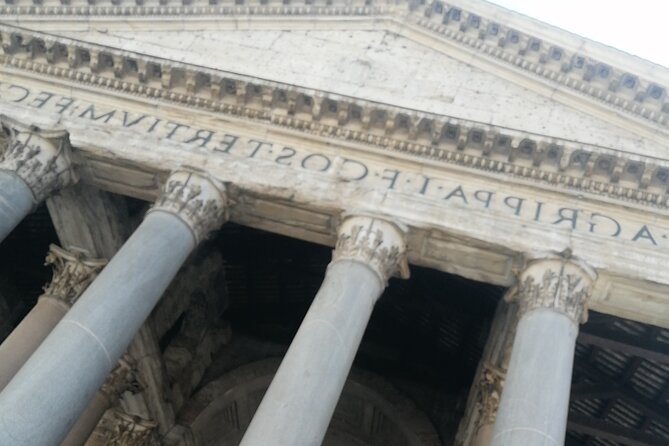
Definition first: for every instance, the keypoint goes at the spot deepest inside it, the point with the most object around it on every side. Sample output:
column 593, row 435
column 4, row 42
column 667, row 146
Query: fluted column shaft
column 72, row 274
column 39, row 406
column 298, row 406
column 34, row 164
column 552, row 295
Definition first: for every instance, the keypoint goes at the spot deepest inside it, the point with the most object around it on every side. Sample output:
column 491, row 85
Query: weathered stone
column 535, row 400
column 310, row 379
column 97, row 327
column 72, row 273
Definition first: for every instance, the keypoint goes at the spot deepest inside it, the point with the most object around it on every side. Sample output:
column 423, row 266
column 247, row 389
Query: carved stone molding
column 132, row 431
column 195, row 7
column 559, row 284
column 555, row 62
column 120, row 379
column 569, row 67
column 73, row 271
column 490, row 385
column 374, row 242
column 40, row 158
column 195, row 199
column 441, row 138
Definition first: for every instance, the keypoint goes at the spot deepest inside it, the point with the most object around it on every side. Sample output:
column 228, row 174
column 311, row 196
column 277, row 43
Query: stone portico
column 398, row 137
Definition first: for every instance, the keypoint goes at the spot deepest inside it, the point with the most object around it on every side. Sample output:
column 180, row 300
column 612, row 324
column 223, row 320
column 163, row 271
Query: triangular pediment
column 468, row 60
column 380, row 66
column 472, row 61
column 420, row 78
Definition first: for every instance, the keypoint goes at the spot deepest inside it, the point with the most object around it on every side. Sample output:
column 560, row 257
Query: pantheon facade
column 337, row 222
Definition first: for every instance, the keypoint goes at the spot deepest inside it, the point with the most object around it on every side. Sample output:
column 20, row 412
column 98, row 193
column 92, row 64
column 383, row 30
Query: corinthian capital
column 121, row 378
column 490, row 385
column 558, row 284
column 132, row 431
column 72, row 273
column 374, row 242
column 39, row 157
column 196, row 200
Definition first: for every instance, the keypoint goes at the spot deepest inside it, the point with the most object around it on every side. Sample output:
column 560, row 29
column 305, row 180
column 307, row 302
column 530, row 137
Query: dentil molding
column 557, row 162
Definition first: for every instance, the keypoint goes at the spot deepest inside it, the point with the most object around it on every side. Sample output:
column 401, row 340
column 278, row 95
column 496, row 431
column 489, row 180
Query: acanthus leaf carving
column 196, row 200
column 73, row 271
column 375, row 242
column 490, row 385
column 132, row 431
column 123, row 377
column 39, row 158
column 557, row 284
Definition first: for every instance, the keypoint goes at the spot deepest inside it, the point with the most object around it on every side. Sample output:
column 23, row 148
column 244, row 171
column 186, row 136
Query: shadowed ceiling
column 425, row 337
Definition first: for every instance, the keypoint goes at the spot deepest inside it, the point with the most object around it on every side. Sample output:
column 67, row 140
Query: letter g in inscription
column 593, row 224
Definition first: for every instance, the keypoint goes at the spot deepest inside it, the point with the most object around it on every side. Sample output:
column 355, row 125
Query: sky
column 638, row 27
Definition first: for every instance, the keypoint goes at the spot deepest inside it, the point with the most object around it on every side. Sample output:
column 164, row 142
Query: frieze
column 215, row 142
column 480, row 146
column 194, row 199
column 374, row 242
column 581, row 73
column 449, row 139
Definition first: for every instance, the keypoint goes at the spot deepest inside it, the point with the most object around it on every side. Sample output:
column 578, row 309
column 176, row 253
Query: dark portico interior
column 424, row 340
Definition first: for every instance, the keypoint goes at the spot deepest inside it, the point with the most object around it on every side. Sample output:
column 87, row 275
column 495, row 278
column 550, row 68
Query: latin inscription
column 346, row 169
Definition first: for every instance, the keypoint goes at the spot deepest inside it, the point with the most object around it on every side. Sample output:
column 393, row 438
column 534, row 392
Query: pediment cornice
column 605, row 75
column 440, row 138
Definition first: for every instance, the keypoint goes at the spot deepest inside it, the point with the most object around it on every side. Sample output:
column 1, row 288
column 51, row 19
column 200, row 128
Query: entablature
column 620, row 174
column 467, row 219
column 479, row 199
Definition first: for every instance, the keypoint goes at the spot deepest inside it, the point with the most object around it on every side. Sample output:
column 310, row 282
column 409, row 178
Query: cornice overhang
column 555, row 162
column 604, row 76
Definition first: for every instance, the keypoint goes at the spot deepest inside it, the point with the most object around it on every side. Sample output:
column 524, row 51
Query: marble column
column 552, row 295
column 121, row 378
column 490, row 385
column 301, row 399
column 39, row 406
column 34, row 164
column 72, row 272
column 477, row 423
